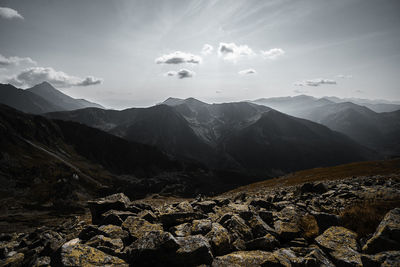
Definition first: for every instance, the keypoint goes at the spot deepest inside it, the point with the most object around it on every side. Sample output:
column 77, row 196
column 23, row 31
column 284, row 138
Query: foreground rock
column 387, row 235
column 341, row 244
column 290, row 226
column 75, row 254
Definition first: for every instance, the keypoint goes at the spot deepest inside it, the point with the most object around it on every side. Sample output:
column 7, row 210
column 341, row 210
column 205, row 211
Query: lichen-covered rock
column 154, row 248
column 341, row 244
column 106, row 244
column 201, row 226
column 73, row 253
column 387, row 234
column 206, row 206
column 287, row 225
column 384, row 259
column 247, row 259
column 219, row 239
column 184, row 229
column 42, row 262
column 320, row 256
column 258, row 227
column 174, row 218
column 113, row 231
column 267, row 242
column 113, row 202
column 115, row 217
column 238, row 228
column 15, row 260
column 137, row 227
column 193, row 251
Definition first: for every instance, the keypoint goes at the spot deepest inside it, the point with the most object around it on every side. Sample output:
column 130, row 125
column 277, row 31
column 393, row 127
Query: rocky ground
column 348, row 222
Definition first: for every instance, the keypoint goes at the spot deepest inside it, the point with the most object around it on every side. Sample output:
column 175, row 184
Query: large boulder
column 247, row 259
column 193, row 251
column 154, row 248
column 219, row 239
column 325, row 220
column 173, row 218
column 387, row 234
column 137, row 227
column 267, row 242
column 238, row 228
column 101, row 205
column 73, row 253
column 341, row 244
column 287, row 224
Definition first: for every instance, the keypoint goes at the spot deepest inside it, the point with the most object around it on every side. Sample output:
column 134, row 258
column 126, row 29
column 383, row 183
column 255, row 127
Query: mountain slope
column 215, row 134
column 280, row 142
column 374, row 130
column 52, row 95
column 25, row 101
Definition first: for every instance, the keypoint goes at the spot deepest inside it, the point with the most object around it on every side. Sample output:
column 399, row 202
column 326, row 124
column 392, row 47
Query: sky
column 130, row 53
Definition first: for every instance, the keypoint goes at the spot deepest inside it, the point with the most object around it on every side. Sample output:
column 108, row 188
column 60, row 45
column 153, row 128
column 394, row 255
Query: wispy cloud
column 343, row 76
column 9, row 13
column 247, row 72
column 15, row 61
column 36, row 75
column 315, row 82
column 232, row 52
column 181, row 74
column 207, row 49
column 178, row 57
column 273, row 53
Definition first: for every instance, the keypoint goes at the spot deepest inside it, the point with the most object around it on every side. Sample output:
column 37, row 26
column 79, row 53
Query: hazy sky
column 137, row 53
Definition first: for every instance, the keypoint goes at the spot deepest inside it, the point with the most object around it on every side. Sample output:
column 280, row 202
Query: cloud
column 32, row 76
column 181, row 74
column 342, row 76
column 272, row 53
column 247, row 72
column 232, row 52
column 9, row 13
column 315, row 82
column 207, row 49
column 218, row 91
column 178, row 57
column 15, row 61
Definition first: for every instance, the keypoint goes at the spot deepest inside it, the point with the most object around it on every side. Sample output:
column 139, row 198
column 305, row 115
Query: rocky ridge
column 302, row 225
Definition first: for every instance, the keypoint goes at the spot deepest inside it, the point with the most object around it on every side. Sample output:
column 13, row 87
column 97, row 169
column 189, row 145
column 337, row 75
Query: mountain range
column 378, row 131
column 41, row 98
column 232, row 136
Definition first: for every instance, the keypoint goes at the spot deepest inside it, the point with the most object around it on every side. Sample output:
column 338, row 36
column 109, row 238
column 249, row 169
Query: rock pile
column 291, row 226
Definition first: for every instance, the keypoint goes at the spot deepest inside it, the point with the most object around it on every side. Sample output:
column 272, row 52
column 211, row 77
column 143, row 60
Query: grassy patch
column 364, row 217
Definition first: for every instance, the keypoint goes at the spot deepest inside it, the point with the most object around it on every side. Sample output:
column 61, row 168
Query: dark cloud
column 181, row 74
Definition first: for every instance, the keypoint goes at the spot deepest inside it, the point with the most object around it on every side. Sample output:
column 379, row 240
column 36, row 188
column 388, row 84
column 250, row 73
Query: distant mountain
column 52, row 95
column 41, row 98
column 213, row 133
column 375, row 105
column 378, row 131
column 25, row 101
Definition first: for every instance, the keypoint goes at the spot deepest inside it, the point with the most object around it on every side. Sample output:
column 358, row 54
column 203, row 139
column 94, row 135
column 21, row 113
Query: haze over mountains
column 378, row 131
column 262, row 137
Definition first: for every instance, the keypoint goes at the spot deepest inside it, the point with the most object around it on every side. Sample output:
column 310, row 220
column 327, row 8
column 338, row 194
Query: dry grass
column 364, row 217
column 365, row 168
